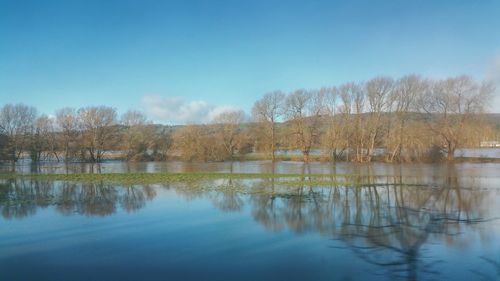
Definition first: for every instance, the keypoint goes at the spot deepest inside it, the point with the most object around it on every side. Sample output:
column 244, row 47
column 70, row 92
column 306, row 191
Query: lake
column 386, row 222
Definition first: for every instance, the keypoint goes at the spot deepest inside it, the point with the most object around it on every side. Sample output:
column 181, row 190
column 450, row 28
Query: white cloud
column 176, row 110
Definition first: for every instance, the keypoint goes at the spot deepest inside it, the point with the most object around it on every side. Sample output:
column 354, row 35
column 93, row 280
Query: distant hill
column 493, row 118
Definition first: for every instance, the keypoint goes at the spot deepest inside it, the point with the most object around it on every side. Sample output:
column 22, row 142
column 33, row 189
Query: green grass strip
column 138, row 178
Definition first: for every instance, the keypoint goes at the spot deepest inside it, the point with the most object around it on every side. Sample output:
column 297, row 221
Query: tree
column 267, row 112
column 43, row 139
column 194, row 142
column 98, row 125
column 138, row 135
column 401, row 132
column 16, row 123
column 332, row 139
column 68, row 125
column 452, row 107
column 4, row 141
column 303, row 111
column 228, row 131
column 378, row 91
column 353, row 102
column 161, row 142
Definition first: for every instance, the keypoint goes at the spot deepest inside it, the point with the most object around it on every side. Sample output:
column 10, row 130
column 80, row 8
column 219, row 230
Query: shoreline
column 313, row 159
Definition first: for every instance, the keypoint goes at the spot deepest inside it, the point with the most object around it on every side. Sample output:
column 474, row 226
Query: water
column 419, row 222
column 482, row 152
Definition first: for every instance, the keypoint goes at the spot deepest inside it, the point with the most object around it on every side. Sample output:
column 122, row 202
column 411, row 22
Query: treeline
column 85, row 134
column 402, row 120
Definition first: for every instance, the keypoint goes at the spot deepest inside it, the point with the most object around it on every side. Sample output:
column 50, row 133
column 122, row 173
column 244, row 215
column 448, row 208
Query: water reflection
column 362, row 200
column 388, row 222
column 21, row 198
column 492, row 274
column 386, row 226
column 409, row 169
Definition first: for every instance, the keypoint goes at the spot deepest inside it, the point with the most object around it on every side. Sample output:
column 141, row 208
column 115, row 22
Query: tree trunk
column 273, row 142
column 451, row 154
column 306, row 156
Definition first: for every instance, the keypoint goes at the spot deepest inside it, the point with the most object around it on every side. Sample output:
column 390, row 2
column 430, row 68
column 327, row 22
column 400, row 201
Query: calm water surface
column 417, row 222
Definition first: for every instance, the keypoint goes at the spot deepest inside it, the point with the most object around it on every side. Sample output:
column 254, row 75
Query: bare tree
column 353, row 103
column 267, row 112
column 138, row 135
column 303, row 111
column 16, row 123
column 451, row 108
column 196, row 142
column 401, row 132
column 43, row 139
column 332, row 139
column 98, row 124
column 162, row 142
column 378, row 91
column 68, row 125
column 229, row 130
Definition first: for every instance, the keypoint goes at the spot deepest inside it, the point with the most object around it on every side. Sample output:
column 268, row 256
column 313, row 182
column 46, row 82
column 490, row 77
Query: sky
column 185, row 61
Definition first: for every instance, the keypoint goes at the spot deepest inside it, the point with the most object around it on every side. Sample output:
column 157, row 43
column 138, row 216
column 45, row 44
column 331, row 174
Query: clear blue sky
column 119, row 53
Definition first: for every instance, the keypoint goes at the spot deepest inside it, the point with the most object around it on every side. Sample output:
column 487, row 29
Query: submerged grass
column 138, row 178
column 143, row 178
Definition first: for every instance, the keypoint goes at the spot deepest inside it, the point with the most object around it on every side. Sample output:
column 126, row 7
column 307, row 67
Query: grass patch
column 206, row 179
column 152, row 178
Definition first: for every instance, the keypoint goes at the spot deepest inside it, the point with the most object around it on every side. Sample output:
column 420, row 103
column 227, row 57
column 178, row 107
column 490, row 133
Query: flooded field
column 359, row 222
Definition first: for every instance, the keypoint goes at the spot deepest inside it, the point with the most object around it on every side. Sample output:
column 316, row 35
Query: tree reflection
column 386, row 221
column 382, row 220
column 227, row 196
column 135, row 197
column 21, row 198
